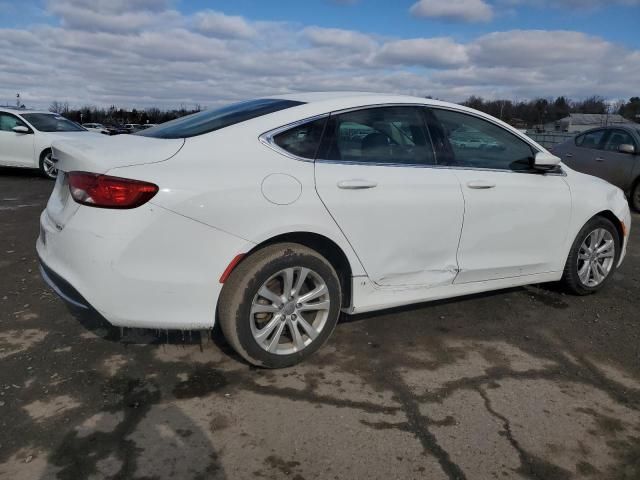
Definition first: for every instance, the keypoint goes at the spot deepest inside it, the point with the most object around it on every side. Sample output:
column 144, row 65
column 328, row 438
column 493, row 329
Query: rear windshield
column 50, row 122
column 210, row 120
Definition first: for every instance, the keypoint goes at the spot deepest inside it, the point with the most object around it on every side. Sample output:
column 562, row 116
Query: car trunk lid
column 99, row 154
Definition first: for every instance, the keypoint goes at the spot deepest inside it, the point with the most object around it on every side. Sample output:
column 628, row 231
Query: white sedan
column 271, row 216
column 26, row 137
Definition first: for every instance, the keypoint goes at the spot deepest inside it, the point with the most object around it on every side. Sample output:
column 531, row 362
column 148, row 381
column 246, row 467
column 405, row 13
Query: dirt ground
column 523, row 383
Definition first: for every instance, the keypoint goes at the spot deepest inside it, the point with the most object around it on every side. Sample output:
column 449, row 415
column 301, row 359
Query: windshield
column 51, row 122
column 211, row 120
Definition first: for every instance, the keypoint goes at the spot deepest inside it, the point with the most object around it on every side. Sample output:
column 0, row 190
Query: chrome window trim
column 267, row 138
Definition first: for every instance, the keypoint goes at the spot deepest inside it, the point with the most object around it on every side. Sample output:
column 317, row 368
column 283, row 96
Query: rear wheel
column 593, row 257
column 47, row 165
column 280, row 305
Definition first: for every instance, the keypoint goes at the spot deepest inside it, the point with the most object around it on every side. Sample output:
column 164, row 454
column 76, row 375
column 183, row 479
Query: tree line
column 120, row 116
column 542, row 110
column 521, row 114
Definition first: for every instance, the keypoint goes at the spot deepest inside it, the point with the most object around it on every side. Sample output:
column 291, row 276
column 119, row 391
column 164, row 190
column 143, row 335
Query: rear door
column 16, row 149
column 375, row 174
column 612, row 165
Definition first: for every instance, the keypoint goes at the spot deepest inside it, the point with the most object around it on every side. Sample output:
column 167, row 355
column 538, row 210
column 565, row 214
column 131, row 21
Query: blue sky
column 167, row 52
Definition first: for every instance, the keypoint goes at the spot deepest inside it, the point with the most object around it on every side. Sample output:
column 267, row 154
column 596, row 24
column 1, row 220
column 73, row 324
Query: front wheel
column 593, row 257
column 280, row 305
column 635, row 197
column 47, row 165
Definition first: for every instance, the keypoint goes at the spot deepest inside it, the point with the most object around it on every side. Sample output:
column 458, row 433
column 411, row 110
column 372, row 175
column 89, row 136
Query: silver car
column 611, row 153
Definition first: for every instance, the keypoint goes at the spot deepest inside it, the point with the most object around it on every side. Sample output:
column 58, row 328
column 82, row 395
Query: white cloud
column 540, row 48
column 338, row 38
column 454, row 10
column 217, row 24
column 159, row 57
column 426, row 52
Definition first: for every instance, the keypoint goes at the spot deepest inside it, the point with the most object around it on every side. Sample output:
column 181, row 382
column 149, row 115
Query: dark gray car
column 611, row 153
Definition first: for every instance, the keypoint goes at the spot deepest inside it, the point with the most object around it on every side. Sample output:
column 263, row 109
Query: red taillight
column 104, row 191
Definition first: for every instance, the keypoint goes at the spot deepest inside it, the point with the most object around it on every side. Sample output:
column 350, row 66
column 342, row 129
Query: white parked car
column 96, row 127
column 26, row 137
column 271, row 217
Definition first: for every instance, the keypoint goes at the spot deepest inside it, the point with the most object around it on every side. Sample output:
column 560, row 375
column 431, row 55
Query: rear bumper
column 64, row 289
column 140, row 268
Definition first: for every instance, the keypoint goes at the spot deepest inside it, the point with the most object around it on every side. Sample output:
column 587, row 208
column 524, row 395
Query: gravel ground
column 521, row 383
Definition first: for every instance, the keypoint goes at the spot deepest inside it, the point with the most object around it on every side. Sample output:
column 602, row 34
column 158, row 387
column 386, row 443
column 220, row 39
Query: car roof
column 20, row 111
column 349, row 99
column 629, row 127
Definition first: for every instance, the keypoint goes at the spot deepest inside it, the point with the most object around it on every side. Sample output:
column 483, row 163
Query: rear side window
column 590, row 139
column 391, row 135
column 211, row 120
column 303, row 140
column 464, row 140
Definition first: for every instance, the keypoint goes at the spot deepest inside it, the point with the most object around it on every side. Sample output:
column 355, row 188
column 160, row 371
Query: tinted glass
column 378, row 135
column 7, row 122
column 211, row 120
column 617, row 138
column 590, row 139
column 303, row 140
column 51, row 122
column 464, row 140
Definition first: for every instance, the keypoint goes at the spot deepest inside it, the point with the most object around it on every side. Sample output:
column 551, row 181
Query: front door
column 375, row 174
column 612, row 165
column 516, row 220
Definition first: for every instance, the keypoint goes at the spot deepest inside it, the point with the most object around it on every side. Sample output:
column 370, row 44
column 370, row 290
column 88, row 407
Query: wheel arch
column 609, row 215
column 322, row 244
column 43, row 153
column 612, row 217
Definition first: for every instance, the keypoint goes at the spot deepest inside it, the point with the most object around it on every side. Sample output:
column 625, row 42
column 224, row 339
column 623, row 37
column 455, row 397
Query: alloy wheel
column 595, row 257
column 49, row 167
column 290, row 310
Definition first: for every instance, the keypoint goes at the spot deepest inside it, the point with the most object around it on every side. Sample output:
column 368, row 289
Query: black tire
column 44, row 170
column 240, row 290
column 570, row 278
column 635, row 197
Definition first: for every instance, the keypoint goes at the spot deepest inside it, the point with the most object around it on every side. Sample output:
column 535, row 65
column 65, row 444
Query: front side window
column 8, row 121
column 591, row 140
column 51, row 122
column 303, row 140
column 464, row 140
column 212, row 120
column 393, row 135
column 617, row 138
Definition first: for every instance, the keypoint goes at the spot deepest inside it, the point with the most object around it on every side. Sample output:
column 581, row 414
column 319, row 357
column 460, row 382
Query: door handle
column 569, row 155
column 480, row 184
column 356, row 184
column 599, row 159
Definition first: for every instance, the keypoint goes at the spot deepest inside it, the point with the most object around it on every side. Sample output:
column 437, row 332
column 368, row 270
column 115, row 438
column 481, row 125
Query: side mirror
column 627, row 148
column 545, row 161
column 21, row 129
